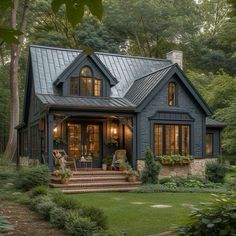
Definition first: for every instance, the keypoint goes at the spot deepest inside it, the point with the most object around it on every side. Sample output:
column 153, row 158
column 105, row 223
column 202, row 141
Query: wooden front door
column 84, row 139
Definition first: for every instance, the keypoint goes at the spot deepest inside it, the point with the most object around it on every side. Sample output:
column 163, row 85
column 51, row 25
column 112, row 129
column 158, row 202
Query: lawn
column 133, row 212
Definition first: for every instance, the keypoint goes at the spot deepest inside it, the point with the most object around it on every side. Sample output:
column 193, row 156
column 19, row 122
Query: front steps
column 95, row 180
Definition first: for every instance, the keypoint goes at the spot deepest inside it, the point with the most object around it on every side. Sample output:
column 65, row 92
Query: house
column 94, row 103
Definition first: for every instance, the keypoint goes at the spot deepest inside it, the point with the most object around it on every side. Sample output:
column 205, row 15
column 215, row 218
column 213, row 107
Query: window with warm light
column 86, row 84
column 171, row 139
column 171, row 94
column 209, row 144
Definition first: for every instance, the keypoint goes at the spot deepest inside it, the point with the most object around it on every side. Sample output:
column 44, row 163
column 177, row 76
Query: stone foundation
column 196, row 167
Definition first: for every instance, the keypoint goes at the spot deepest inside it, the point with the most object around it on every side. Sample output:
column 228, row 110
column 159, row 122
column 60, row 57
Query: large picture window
column 85, row 84
column 171, row 139
column 209, row 144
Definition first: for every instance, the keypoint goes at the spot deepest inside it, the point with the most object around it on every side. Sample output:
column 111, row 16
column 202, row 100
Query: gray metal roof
column 48, row 63
column 214, row 123
column 143, row 86
column 96, row 103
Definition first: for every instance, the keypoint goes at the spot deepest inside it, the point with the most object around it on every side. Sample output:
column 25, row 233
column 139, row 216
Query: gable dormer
column 86, row 76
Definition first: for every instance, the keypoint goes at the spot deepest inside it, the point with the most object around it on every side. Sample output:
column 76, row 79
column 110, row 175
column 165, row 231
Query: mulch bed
column 27, row 222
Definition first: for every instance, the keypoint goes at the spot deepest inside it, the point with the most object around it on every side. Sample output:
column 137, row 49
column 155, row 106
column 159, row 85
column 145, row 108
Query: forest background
column 204, row 30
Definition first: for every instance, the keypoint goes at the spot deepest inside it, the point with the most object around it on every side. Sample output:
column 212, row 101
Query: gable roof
column 49, row 62
column 79, row 59
column 146, row 87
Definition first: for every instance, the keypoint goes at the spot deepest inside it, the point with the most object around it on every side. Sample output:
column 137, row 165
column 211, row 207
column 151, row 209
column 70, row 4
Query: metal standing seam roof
column 48, row 63
column 143, row 86
column 214, row 123
column 97, row 103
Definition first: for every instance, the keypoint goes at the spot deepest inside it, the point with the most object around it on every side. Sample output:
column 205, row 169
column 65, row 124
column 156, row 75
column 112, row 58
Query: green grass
column 142, row 219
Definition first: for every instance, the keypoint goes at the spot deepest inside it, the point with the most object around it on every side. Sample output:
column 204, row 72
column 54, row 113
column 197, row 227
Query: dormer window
column 86, row 84
column 171, row 94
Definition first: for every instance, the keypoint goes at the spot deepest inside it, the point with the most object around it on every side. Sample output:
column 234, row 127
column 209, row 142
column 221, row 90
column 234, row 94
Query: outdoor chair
column 61, row 158
column 118, row 157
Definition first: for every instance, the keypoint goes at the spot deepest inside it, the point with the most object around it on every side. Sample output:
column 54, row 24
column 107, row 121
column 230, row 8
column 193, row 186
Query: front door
column 84, row 139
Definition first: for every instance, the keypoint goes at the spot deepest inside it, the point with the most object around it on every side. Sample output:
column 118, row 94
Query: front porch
column 91, row 136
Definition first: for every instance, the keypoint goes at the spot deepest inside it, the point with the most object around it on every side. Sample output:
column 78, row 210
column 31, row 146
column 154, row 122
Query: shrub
column 216, row 218
column 76, row 225
column 151, row 170
column 32, row 177
column 43, row 205
column 66, row 202
column 5, row 226
column 39, row 190
column 215, row 172
column 96, row 215
column 7, row 173
column 58, row 216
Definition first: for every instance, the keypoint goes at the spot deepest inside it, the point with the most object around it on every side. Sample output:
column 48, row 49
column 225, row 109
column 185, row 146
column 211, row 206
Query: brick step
column 96, row 190
column 93, row 184
column 83, row 179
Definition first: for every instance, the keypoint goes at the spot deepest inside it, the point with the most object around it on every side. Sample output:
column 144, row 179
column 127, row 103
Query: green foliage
column 171, row 187
column 175, row 159
column 43, row 204
column 5, row 226
column 96, row 215
column 215, row 172
column 58, row 216
column 39, row 190
column 32, row 177
column 75, row 9
column 151, row 170
column 76, row 225
column 215, row 218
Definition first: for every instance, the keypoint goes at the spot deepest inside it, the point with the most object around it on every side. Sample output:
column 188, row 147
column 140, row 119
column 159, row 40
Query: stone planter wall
column 196, row 167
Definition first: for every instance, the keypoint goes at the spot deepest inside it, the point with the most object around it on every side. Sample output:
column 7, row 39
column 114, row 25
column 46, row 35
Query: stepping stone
column 161, row 206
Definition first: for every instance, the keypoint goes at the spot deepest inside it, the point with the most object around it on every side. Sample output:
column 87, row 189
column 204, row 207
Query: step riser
column 89, row 181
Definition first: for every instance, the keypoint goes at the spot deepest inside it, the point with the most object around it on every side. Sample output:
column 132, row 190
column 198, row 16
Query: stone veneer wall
column 196, row 167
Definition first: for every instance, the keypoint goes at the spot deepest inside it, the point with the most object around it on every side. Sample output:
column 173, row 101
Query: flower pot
column 132, row 178
column 65, row 180
column 104, row 166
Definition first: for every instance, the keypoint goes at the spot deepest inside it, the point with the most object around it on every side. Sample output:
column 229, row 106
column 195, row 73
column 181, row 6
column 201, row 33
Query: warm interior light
column 55, row 129
column 115, row 131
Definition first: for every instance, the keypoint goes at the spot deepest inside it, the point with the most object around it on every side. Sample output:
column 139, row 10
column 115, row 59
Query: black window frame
column 172, row 89
column 179, row 141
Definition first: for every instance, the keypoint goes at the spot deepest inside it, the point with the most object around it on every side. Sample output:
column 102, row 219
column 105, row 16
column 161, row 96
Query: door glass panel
column 74, row 140
column 92, row 141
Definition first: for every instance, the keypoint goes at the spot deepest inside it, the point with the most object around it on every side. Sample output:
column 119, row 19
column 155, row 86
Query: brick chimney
column 176, row 57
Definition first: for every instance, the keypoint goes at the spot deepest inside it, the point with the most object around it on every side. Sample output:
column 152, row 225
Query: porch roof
column 91, row 103
column 210, row 123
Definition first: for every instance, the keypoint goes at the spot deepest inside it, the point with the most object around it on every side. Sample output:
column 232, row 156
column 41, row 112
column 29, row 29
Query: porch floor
column 95, row 180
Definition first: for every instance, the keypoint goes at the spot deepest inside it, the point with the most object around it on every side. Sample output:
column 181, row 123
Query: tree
column 14, row 62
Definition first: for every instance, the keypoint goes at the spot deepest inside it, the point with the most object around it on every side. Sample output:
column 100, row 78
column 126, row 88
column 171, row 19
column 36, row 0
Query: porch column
column 50, row 141
column 134, row 143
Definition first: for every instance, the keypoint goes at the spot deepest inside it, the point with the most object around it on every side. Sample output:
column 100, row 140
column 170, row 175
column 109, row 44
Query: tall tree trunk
column 14, row 91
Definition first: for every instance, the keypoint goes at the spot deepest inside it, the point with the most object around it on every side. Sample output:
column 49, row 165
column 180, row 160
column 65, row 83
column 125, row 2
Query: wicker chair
column 118, row 157
column 61, row 158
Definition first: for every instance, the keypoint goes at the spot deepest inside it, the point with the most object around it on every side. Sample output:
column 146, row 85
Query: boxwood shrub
column 215, row 172
column 32, row 176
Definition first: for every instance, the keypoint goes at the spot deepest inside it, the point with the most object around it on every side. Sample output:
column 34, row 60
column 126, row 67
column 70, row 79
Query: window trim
column 93, row 79
column 168, row 93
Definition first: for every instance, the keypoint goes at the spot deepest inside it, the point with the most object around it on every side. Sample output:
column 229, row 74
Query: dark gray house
column 99, row 102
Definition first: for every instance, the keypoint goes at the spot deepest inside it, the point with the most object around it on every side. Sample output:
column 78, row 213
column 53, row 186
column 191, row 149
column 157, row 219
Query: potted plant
column 65, row 175
column 132, row 175
column 108, row 161
column 123, row 165
column 104, row 164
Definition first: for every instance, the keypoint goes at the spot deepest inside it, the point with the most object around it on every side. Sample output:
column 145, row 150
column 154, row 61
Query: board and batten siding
column 186, row 104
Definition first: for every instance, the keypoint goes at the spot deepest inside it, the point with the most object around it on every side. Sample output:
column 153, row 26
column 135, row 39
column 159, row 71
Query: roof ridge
column 101, row 53
column 155, row 71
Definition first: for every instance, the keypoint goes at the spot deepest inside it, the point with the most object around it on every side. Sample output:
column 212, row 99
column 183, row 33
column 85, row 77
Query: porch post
column 50, row 141
column 134, row 143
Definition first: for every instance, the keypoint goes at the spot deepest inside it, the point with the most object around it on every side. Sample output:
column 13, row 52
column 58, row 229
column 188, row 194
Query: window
column 209, row 144
column 86, row 84
column 171, row 139
column 171, row 94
